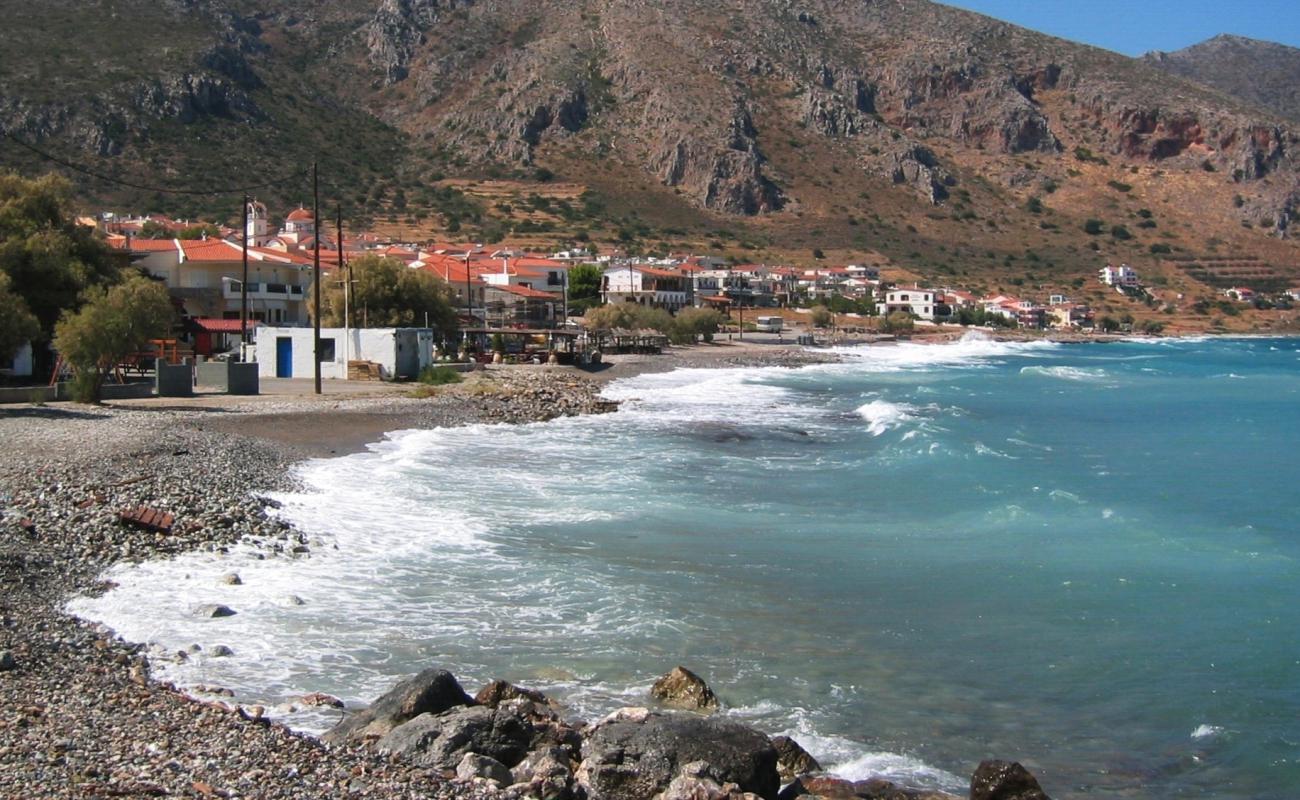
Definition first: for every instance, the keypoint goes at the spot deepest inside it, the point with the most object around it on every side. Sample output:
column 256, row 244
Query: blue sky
column 1133, row 27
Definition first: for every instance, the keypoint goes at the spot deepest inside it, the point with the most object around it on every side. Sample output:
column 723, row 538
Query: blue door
column 283, row 357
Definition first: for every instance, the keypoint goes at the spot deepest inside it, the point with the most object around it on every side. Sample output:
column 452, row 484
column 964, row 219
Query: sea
column 1083, row 557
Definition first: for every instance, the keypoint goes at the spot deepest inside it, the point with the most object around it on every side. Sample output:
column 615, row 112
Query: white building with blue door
column 287, row 352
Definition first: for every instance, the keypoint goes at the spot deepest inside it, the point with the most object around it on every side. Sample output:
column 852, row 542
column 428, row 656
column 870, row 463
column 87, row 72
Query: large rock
column 442, row 740
column 1004, row 780
column 792, row 760
column 547, row 774
column 433, row 691
column 628, row 760
column 473, row 765
column 498, row 692
column 682, row 688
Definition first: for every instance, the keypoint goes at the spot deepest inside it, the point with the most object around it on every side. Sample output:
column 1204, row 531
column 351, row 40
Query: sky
column 1134, row 27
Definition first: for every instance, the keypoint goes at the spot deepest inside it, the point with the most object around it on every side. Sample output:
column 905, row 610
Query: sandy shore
column 79, row 715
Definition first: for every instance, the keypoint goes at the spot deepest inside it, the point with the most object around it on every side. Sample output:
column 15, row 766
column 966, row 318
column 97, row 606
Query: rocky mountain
column 1259, row 72
column 890, row 128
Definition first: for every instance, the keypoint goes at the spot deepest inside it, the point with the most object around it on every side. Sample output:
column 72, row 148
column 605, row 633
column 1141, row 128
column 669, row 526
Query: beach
column 82, row 716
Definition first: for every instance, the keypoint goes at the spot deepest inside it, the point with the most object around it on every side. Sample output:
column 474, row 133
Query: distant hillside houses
column 495, row 286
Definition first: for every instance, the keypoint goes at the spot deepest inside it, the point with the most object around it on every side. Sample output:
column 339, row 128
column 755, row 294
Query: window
column 326, row 349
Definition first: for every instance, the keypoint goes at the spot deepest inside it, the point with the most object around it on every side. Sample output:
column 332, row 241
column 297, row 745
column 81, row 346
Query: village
column 246, row 296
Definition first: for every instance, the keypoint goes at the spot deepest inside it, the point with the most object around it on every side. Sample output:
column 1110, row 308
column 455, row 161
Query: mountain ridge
column 930, row 138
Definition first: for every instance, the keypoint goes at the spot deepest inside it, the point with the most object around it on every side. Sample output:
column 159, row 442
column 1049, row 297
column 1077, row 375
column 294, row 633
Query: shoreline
column 82, row 698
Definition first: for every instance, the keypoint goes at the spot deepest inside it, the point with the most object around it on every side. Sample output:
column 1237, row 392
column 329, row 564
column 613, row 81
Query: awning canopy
column 222, row 325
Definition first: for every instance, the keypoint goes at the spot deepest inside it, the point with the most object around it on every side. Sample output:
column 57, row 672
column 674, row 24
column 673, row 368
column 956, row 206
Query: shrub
column 1121, row 233
column 1034, row 206
column 441, row 375
column 1093, row 226
column 693, row 322
column 822, row 317
column 1159, row 248
column 1119, row 186
column 898, row 322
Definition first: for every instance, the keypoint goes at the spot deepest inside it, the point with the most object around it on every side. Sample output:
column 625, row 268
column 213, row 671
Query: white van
column 769, row 324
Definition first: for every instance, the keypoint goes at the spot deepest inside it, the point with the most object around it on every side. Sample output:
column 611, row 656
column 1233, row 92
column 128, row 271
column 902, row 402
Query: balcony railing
column 264, row 291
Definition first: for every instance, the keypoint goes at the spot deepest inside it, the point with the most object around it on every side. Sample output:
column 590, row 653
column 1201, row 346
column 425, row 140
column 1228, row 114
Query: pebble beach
column 79, row 714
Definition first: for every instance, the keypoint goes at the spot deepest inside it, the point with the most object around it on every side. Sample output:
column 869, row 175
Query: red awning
column 715, row 298
column 222, row 325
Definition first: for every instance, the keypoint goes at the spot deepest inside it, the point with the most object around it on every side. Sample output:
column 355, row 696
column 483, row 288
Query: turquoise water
column 1082, row 557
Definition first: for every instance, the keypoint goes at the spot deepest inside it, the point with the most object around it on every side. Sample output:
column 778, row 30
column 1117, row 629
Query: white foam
column 1080, row 374
column 1206, row 731
column 972, row 350
column 882, row 415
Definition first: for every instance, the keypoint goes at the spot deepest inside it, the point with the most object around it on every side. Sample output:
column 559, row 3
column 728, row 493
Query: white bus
column 769, row 324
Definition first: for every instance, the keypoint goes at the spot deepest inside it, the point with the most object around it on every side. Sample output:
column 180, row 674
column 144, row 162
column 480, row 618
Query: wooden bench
column 150, row 519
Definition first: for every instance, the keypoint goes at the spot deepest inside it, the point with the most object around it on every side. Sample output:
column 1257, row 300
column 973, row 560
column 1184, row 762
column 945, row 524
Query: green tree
column 584, row 282
column 822, row 317
column 111, row 324
column 48, row 258
column 17, row 323
column 389, row 294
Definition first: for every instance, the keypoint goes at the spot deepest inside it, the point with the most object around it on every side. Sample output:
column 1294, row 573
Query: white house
column 648, row 286
column 20, row 364
column 914, row 300
column 1121, row 276
column 287, row 352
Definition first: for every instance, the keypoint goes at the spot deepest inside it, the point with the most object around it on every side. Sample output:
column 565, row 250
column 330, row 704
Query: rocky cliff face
column 702, row 95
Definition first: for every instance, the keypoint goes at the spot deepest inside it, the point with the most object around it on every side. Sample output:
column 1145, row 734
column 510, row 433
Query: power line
column 159, row 189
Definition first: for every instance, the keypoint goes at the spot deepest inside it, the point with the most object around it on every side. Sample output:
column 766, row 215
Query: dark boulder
column 635, row 760
column 433, row 691
column 1004, row 780
column 792, row 760
column 214, row 611
column 442, row 740
column 811, row 786
column 682, row 688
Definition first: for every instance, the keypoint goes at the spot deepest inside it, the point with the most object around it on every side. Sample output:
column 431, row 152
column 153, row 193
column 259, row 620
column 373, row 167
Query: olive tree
column 387, row 293
column 111, row 324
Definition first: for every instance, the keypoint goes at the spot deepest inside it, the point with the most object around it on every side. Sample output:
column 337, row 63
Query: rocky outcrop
column 397, row 30
column 1004, row 780
column 723, row 172
column 681, row 688
column 792, row 760
column 432, row 691
column 498, row 692
column 507, row 733
column 917, row 167
column 634, row 760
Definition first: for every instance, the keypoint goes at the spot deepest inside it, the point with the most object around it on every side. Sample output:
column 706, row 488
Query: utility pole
column 315, row 204
column 347, row 279
column 469, row 305
column 243, row 291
